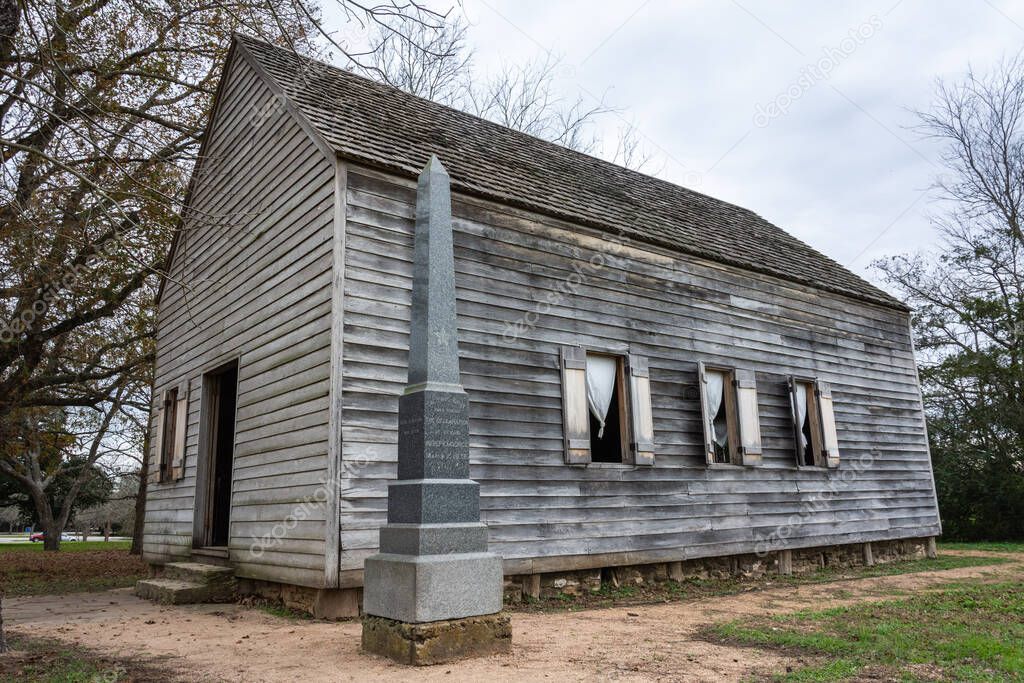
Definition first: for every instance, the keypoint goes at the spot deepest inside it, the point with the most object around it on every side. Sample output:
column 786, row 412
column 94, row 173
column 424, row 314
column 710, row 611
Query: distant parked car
column 41, row 536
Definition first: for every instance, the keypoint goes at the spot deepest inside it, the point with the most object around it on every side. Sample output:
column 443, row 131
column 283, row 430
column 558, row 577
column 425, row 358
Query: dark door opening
column 223, row 394
column 612, row 444
column 608, row 446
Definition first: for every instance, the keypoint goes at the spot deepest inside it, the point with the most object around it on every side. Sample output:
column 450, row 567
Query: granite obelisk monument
column 433, row 593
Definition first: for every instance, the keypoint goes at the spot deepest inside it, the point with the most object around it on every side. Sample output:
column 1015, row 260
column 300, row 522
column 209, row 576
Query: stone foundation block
column 337, row 603
column 439, row 641
column 567, row 583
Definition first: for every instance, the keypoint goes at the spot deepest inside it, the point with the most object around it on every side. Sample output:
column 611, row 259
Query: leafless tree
column 524, row 97
column 630, row 150
column 416, row 57
column 118, row 510
column 968, row 301
column 10, row 515
column 437, row 65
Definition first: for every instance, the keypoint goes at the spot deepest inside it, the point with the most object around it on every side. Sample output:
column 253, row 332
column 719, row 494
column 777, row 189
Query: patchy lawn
column 670, row 591
column 77, row 567
column 992, row 547
column 652, row 642
column 40, row 660
column 65, row 546
column 961, row 632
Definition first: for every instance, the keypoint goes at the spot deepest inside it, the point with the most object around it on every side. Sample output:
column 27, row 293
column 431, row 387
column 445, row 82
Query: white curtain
column 715, row 386
column 800, row 393
column 601, row 372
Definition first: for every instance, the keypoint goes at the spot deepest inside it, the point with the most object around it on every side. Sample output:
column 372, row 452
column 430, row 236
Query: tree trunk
column 3, row 638
column 140, row 498
column 52, row 527
column 51, row 541
column 9, row 20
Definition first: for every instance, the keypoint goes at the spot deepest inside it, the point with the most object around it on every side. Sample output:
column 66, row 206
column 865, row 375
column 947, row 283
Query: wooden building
column 756, row 396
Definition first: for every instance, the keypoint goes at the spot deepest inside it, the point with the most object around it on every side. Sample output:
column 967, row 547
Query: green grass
column 65, row 546
column 940, row 563
column 993, row 547
column 37, row 660
column 962, row 632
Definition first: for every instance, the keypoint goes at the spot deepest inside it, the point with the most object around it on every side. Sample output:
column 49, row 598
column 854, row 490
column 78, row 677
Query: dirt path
column 644, row 643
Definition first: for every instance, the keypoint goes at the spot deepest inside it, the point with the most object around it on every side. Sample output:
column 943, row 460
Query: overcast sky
column 801, row 112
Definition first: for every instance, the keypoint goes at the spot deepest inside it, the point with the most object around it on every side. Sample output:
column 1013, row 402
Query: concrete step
column 171, row 592
column 199, row 572
column 212, row 555
column 189, row 582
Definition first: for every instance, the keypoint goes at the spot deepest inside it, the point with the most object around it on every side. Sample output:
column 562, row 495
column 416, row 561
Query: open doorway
column 217, row 442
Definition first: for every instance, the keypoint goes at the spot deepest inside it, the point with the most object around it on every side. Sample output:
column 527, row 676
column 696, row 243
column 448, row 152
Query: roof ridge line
column 462, row 112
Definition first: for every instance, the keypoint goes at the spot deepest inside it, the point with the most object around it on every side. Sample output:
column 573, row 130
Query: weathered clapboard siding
column 673, row 309
column 256, row 256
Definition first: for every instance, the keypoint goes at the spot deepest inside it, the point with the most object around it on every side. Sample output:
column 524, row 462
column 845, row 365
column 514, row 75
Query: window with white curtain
column 717, row 385
column 814, row 427
column 606, row 399
column 806, row 423
column 729, row 408
column 607, row 412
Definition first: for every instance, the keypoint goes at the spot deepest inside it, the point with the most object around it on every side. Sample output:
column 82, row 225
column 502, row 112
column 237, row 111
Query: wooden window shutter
column 643, row 418
column 830, row 439
column 156, row 448
column 575, row 410
column 180, row 432
column 748, row 417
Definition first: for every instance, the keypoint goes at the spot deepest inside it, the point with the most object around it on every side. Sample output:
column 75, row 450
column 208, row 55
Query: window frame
column 632, row 372
column 731, row 414
column 826, row 457
column 625, row 406
column 814, row 416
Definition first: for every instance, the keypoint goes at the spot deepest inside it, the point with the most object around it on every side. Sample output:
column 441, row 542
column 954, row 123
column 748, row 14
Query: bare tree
column 969, row 304
column 437, row 64
column 118, row 510
column 524, row 97
column 630, row 150
column 10, row 516
column 420, row 59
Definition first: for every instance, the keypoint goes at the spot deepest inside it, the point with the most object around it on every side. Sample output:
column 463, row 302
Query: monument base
column 419, row 589
column 437, row 642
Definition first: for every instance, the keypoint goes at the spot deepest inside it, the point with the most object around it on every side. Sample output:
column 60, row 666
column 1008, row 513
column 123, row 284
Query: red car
column 41, row 536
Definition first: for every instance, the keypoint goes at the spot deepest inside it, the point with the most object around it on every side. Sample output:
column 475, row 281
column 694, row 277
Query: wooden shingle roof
column 381, row 126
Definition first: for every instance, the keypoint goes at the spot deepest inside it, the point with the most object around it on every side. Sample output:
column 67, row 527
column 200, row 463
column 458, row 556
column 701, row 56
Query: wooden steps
column 189, row 582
